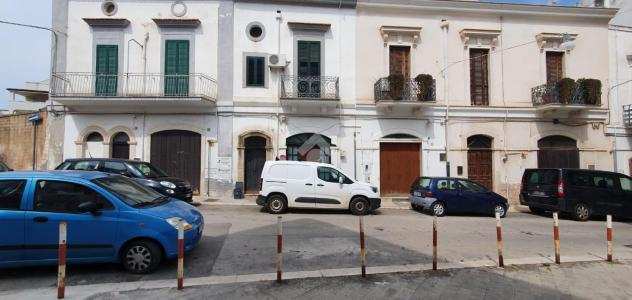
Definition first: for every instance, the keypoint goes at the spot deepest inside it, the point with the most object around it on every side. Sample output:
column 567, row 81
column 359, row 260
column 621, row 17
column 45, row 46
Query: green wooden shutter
column 106, row 70
column 308, row 84
column 255, row 71
column 177, row 68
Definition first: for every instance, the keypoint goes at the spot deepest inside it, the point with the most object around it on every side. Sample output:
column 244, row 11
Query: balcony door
column 308, row 69
column 554, row 67
column 176, row 68
column 399, row 61
column 479, row 77
column 106, row 70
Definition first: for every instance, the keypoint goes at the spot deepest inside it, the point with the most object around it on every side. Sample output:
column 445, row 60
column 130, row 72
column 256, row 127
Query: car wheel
column 501, row 210
column 438, row 209
column 414, row 206
column 359, row 206
column 141, row 257
column 536, row 210
column 582, row 212
column 276, row 205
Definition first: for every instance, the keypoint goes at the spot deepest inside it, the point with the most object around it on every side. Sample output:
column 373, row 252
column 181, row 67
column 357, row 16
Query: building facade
column 385, row 90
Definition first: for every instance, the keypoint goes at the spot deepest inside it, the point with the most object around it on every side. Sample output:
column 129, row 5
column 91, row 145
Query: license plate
column 417, row 194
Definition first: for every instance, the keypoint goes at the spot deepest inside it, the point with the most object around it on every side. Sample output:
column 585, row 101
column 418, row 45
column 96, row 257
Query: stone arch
column 241, row 149
column 94, row 149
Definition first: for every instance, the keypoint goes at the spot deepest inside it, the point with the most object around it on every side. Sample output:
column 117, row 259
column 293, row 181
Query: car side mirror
column 89, row 206
column 341, row 180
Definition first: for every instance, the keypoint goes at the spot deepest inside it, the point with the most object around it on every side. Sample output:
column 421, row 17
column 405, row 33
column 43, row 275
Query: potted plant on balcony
column 565, row 88
column 396, row 86
column 425, row 84
column 589, row 91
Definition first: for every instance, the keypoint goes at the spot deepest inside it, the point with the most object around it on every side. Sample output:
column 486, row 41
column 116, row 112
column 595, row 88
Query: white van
column 313, row 185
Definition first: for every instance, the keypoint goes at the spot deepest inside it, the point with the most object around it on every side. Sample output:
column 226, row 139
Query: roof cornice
column 487, row 7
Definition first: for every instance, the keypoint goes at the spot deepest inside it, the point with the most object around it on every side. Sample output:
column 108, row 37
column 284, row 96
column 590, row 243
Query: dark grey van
column 580, row 193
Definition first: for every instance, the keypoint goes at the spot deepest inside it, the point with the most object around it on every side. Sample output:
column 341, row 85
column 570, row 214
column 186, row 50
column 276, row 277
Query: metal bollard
column 434, row 243
column 180, row 255
column 556, row 237
column 362, row 248
column 279, row 261
column 499, row 241
column 61, row 273
column 609, row 237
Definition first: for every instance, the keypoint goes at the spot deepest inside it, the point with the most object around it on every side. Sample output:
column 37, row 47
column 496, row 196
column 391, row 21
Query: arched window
column 94, row 145
column 558, row 151
column 400, row 136
column 94, row 137
column 120, row 145
column 479, row 142
column 309, row 147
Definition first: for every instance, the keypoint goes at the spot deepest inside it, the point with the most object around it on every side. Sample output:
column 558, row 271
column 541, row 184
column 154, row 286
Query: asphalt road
column 242, row 239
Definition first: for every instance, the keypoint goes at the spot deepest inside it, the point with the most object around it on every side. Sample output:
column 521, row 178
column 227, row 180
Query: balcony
column 566, row 97
column 134, row 92
column 315, row 94
column 408, row 93
column 627, row 116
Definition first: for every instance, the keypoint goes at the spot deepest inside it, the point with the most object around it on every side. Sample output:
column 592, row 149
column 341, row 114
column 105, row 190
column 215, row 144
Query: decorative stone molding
column 322, row 27
column 400, row 34
column 480, row 37
column 552, row 41
column 107, row 22
column 177, row 23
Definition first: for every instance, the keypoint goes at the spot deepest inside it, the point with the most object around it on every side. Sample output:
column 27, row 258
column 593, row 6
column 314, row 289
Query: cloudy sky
column 25, row 53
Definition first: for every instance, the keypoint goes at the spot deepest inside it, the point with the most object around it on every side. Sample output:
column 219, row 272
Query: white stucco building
column 209, row 90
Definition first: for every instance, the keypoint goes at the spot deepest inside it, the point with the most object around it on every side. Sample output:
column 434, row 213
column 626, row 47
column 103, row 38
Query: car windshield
column 147, row 170
column 129, row 191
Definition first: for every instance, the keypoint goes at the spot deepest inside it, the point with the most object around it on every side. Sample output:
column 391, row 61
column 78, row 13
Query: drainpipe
column 445, row 26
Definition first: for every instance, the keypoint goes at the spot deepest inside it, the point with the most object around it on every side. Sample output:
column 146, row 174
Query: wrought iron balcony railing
column 627, row 115
column 552, row 93
column 133, row 85
column 310, row 87
column 408, row 91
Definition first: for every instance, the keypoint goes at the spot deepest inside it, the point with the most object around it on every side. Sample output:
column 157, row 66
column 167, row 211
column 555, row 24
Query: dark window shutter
column 255, row 71
column 177, row 68
column 106, row 70
column 554, row 66
column 479, row 77
column 308, row 58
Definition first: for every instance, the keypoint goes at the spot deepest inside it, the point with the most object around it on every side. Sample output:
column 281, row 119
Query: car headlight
column 175, row 220
column 374, row 189
column 168, row 184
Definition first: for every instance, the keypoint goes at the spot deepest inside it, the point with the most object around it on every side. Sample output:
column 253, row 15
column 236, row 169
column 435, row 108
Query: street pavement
column 241, row 240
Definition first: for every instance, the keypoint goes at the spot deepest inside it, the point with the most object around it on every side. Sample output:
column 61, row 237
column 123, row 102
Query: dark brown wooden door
column 399, row 61
column 399, row 166
column 554, row 66
column 479, row 76
column 120, row 146
column 255, row 158
column 178, row 153
column 558, row 152
column 479, row 167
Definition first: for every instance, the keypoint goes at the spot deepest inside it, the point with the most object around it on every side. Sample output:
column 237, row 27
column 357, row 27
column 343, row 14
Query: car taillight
column 560, row 189
column 428, row 194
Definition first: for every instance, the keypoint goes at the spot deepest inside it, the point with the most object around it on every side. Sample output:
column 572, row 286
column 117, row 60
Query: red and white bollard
column 609, row 237
column 362, row 248
column 61, row 273
column 180, row 255
column 499, row 241
column 556, row 237
column 279, row 258
column 434, row 243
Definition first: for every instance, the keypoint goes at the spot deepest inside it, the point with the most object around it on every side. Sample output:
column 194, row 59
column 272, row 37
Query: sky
column 25, row 53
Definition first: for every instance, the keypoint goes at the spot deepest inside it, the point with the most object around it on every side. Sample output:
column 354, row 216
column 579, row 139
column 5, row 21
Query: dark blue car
column 443, row 195
column 110, row 219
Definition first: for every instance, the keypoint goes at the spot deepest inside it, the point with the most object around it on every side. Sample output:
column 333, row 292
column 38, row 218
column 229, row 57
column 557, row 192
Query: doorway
column 479, row 160
column 255, row 158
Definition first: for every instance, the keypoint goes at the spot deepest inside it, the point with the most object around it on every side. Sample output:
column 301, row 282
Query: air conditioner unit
column 277, row 61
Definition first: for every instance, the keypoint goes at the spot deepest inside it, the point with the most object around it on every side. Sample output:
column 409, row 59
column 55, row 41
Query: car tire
column 438, row 209
column 535, row 210
column 414, row 206
column 359, row 206
column 276, row 204
column 502, row 209
column 141, row 257
column 582, row 212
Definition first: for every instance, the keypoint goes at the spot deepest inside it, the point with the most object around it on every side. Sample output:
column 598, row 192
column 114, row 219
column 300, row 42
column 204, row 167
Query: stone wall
column 16, row 142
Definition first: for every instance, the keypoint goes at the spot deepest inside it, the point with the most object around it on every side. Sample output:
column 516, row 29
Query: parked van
column 581, row 193
column 287, row 184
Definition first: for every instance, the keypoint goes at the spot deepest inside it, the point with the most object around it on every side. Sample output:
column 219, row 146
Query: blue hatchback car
column 443, row 195
column 110, row 219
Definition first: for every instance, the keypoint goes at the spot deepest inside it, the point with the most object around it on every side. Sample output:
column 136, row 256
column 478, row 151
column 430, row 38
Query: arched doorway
column 309, row 147
column 94, row 145
column 400, row 164
column 254, row 159
column 558, row 151
column 479, row 160
column 178, row 152
column 120, row 146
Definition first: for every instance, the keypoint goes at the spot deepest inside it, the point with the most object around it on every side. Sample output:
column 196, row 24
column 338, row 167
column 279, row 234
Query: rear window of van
column 542, row 177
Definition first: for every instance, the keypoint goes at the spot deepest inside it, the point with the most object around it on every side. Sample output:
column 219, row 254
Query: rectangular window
column 106, row 70
column 176, row 68
column 65, row 197
column 255, row 71
column 479, row 77
column 11, row 194
column 308, row 85
column 554, row 66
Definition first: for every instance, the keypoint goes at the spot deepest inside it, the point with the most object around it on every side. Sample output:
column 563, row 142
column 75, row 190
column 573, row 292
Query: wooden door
column 120, row 146
column 176, row 68
column 106, row 70
column 178, row 153
column 479, row 76
column 399, row 60
column 254, row 159
column 479, row 167
column 309, row 69
column 554, row 66
column 558, row 152
column 399, row 166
